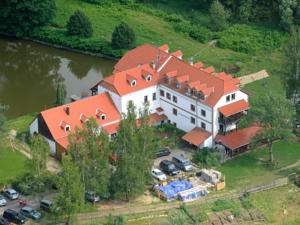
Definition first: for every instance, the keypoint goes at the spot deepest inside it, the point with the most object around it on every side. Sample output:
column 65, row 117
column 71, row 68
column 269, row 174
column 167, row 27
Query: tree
column 135, row 151
column 80, row 25
column 207, row 158
column 292, row 71
column 274, row 114
column 286, row 13
column 218, row 16
column 60, row 95
column 19, row 17
column 70, row 198
column 123, row 36
column 245, row 11
column 40, row 153
column 89, row 149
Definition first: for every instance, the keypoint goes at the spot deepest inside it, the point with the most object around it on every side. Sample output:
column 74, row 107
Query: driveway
column 186, row 152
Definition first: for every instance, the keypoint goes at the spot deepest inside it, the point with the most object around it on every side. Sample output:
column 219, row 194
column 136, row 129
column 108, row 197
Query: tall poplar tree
column 60, row 95
column 70, row 199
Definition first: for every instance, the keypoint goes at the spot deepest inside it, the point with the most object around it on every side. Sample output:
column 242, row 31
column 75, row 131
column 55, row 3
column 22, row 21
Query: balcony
column 230, row 119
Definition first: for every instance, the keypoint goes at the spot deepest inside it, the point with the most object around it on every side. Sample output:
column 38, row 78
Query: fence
column 266, row 186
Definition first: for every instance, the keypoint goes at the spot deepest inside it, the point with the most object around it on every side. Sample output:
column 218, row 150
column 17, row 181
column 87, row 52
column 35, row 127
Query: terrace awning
column 234, row 108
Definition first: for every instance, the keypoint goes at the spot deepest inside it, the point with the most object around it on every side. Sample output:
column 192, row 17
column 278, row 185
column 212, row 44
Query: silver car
column 30, row 213
column 2, row 201
column 11, row 194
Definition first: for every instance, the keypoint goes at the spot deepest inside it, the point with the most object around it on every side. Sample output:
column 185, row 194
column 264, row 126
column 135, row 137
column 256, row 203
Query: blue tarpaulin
column 175, row 187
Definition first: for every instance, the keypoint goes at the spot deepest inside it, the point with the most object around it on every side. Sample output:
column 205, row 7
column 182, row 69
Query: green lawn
column 12, row 165
column 250, row 169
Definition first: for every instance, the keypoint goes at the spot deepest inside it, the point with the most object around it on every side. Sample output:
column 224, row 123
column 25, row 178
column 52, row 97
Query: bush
column 221, row 205
column 207, row 157
column 80, row 25
column 123, row 36
column 250, row 39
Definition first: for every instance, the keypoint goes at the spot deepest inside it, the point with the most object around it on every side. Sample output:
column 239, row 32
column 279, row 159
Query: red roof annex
column 237, row 138
column 233, row 108
column 196, row 136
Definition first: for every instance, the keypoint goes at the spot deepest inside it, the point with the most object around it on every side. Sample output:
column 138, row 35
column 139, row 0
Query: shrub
column 80, row 25
column 221, row 205
column 237, row 213
column 207, row 157
column 123, row 36
column 250, row 39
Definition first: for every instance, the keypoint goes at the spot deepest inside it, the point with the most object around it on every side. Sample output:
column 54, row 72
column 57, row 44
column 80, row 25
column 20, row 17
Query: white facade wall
column 138, row 99
column 239, row 95
column 184, row 112
column 34, row 127
column 51, row 144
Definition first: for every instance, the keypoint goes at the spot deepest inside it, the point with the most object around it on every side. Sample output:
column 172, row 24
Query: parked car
column 182, row 163
column 168, row 167
column 157, row 174
column 2, row 201
column 162, row 152
column 90, row 196
column 30, row 213
column 4, row 221
column 11, row 194
column 13, row 216
column 46, row 205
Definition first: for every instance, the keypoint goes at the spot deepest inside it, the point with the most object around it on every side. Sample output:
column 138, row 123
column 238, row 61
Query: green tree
column 274, row 114
column 60, row 95
column 245, row 11
column 89, row 149
column 286, row 13
column 218, row 16
column 134, row 152
column 123, row 36
column 117, row 220
column 40, row 153
column 80, row 25
column 70, row 198
column 20, row 17
column 292, row 71
column 207, row 157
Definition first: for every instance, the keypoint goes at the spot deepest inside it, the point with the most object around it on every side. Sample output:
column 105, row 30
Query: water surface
column 30, row 72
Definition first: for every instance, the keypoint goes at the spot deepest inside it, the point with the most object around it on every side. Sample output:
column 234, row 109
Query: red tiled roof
column 198, row 65
column 237, row 138
column 154, row 118
column 88, row 106
column 233, row 108
column 196, row 136
column 209, row 69
column 63, row 142
column 118, row 82
column 193, row 84
column 182, row 79
column 171, row 74
column 177, row 53
column 200, row 87
column 164, row 48
column 208, row 91
column 111, row 128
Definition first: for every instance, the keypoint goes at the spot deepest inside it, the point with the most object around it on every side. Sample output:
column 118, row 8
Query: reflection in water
column 29, row 74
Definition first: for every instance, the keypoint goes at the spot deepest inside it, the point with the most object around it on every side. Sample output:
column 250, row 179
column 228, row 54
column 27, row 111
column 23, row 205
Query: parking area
column 186, row 152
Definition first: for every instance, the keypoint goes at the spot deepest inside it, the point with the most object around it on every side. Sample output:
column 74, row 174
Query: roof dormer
column 180, row 80
column 83, row 118
column 131, row 80
column 64, row 125
column 169, row 76
column 164, row 48
column 209, row 69
column 146, row 75
column 177, row 54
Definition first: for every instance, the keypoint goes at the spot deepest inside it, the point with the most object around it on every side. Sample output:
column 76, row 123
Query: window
column 188, row 90
column 227, row 98
column 174, row 99
column 154, row 96
column 113, row 135
column 193, row 107
column 146, row 98
column 193, row 120
column 175, row 124
column 148, row 78
column 67, row 128
column 233, row 97
column 177, row 85
column 203, row 112
column 103, row 117
column 168, row 96
column 133, row 83
column 162, row 93
column 203, row 125
column 174, row 111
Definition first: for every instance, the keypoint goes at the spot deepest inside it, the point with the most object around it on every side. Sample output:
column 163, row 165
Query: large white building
column 205, row 104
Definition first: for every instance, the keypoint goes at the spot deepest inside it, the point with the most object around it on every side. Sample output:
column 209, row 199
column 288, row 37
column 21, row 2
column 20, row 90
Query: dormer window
column 64, row 126
column 103, row 117
column 83, row 118
column 100, row 114
column 148, row 78
column 188, row 90
column 167, row 80
column 67, row 128
column 133, row 83
column 177, row 85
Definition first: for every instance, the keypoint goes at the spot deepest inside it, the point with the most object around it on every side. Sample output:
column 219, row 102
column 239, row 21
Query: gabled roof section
column 86, row 107
column 234, row 108
column 171, row 74
column 120, row 83
column 182, row 78
column 196, row 136
column 209, row 69
column 198, row 65
column 177, row 54
column 164, row 48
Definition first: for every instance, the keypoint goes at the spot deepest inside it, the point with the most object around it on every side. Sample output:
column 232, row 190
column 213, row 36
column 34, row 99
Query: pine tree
column 60, row 96
column 70, row 198
column 80, row 25
column 123, row 36
column 218, row 16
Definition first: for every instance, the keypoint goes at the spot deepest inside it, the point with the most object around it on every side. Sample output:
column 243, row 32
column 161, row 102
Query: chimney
column 152, row 64
column 191, row 60
column 68, row 110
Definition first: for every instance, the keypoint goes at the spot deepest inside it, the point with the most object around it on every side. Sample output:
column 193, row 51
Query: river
column 30, row 72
